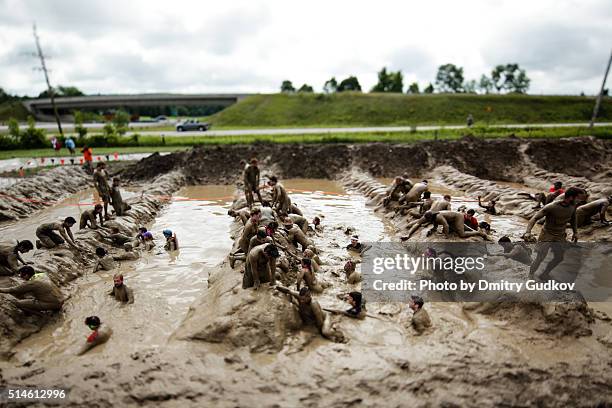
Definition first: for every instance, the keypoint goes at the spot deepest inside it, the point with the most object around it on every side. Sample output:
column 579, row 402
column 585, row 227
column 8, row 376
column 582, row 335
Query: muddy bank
column 507, row 159
column 63, row 265
column 45, row 188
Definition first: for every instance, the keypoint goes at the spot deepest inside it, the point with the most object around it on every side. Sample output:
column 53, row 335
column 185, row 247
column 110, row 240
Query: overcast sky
column 110, row 46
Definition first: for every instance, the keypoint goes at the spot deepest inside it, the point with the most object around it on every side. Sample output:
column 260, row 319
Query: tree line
column 508, row 78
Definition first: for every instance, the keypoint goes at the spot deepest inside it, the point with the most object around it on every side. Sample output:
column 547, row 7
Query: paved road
column 318, row 131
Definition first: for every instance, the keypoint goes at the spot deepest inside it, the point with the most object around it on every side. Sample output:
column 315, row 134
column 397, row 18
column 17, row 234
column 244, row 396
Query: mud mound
column 63, row 265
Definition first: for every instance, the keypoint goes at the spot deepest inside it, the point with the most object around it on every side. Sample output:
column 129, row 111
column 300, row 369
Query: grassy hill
column 356, row 109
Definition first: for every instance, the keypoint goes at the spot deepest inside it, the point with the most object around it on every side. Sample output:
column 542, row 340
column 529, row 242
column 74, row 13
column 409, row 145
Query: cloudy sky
column 110, row 46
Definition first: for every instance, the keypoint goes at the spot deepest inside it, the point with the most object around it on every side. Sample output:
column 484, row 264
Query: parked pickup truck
column 192, row 124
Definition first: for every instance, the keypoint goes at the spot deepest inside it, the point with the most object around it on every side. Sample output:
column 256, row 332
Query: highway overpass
column 42, row 108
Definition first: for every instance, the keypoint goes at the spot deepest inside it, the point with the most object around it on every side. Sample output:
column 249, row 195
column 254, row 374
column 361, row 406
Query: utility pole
column 600, row 96
column 43, row 68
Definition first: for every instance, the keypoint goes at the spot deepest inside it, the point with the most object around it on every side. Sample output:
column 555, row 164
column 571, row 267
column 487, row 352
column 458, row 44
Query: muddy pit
column 194, row 337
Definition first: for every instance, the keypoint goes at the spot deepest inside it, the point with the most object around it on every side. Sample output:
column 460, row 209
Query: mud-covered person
column 248, row 232
column 356, row 246
column 399, row 188
column 350, row 272
column 171, row 240
column 489, row 207
column 88, row 218
column 557, row 215
column 585, row 212
column 99, row 335
column 104, row 262
column 415, row 192
column 35, row 295
column 420, row 321
column 10, row 256
column 120, row 291
column 100, row 178
column 262, row 266
column 451, row 221
column 516, row 251
column 280, row 199
column 307, row 275
column 244, row 214
column 295, row 235
column 311, row 313
column 48, row 237
column 251, row 182
column 117, row 238
column 120, row 206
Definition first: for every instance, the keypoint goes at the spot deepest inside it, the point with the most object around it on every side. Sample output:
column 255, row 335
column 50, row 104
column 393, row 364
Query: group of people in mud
column 276, row 243
column 557, row 210
column 36, row 293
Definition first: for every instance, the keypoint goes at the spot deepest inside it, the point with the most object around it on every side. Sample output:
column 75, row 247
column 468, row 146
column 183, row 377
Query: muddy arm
column 602, row 213
column 415, row 227
column 532, row 222
column 444, row 223
column 287, row 291
column 298, row 282
column 130, row 294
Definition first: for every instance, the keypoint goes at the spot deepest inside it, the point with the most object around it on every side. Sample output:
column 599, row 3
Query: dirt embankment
column 64, row 265
column 509, row 159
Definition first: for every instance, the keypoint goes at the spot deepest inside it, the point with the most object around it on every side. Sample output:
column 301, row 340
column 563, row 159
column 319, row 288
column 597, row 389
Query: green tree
column 485, row 85
column 62, row 91
column 287, row 87
column 389, row 81
column 306, row 89
column 470, row 86
column 429, row 89
column 449, row 78
column 510, row 78
column 349, row 84
column 121, row 120
column 331, row 85
column 32, row 137
column 78, row 124
column 413, row 88
column 13, row 129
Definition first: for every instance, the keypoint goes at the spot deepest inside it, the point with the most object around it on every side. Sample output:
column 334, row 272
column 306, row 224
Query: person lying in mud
column 585, row 212
column 415, row 193
column 88, row 218
column 307, row 275
column 420, row 321
column 280, row 199
column 295, row 235
column 120, row 206
column 99, row 335
column 118, row 239
column 120, row 291
column 171, row 240
column 104, row 262
column 399, row 188
column 48, row 237
column 352, row 276
column 470, row 220
column 35, row 295
column 251, row 182
column 10, row 256
column 357, row 310
column 516, row 251
column 489, row 207
column 100, row 178
column 244, row 214
column 262, row 266
column 128, row 253
column 451, row 221
column 427, row 204
column 311, row 313
column 557, row 215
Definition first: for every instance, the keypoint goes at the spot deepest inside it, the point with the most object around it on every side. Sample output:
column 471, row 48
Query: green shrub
column 32, row 137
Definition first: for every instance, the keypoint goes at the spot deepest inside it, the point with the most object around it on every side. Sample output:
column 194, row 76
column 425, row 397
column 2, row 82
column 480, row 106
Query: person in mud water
column 105, row 262
column 355, row 245
column 307, row 275
column 516, row 251
column 311, row 313
column 556, row 217
column 352, row 276
column 99, row 335
column 100, row 178
column 88, row 218
column 120, row 206
column 280, row 199
column 420, row 321
column 48, row 237
column 262, row 266
column 10, row 256
column 120, row 291
column 489, row 207
column 248, row 232
column 251, row 182
column 295, row 235
column 451, row 221
column 35, row 294
column 171, row 240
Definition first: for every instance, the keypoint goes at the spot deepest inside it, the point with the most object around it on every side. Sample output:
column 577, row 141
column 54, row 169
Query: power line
column 43, row 68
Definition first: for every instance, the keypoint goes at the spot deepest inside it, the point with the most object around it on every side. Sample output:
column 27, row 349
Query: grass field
column 357, row 109
column 173, row 143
